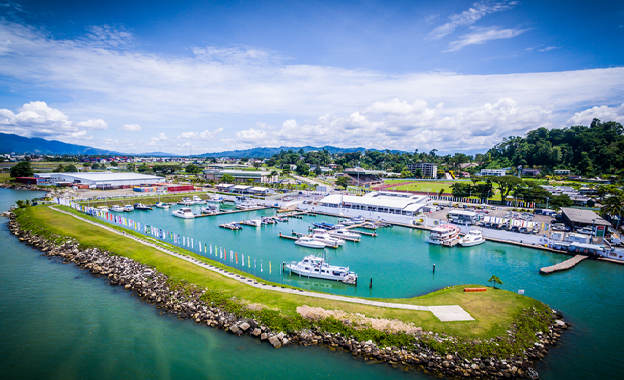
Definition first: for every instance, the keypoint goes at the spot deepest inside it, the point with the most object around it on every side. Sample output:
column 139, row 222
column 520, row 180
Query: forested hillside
column 597, row 149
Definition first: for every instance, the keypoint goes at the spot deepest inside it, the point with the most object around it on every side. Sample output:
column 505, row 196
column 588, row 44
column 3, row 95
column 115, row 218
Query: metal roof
column 583, row 216
column 241, row 187
column 377, row 201
column 462, row 212
column 108, row 176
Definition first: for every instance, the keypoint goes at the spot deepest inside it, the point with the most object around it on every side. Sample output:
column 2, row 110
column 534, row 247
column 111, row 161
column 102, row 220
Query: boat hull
column 309, row 245
column 471, row 243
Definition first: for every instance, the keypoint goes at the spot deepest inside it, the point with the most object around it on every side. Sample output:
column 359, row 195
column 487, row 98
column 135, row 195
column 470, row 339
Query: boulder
column 274, row 340
column 244, row 326
column 256, row 332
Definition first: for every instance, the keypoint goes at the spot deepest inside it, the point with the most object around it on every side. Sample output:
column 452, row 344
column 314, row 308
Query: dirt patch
column 357, row 320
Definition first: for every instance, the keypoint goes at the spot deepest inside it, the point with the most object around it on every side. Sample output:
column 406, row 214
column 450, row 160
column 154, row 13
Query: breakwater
column 189, row 302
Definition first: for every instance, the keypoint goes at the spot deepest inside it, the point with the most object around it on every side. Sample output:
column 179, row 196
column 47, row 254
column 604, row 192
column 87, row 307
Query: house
column 531, row 172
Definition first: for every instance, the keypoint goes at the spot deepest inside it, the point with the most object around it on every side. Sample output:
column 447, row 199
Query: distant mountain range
column 268, row 152
column 13, row 143
column 10, row 143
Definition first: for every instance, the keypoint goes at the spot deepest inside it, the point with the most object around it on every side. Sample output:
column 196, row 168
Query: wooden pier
column 570, row 263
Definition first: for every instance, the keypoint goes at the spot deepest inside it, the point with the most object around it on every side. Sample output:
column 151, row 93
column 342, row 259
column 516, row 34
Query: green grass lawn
column 494, row 311
column 5, row 177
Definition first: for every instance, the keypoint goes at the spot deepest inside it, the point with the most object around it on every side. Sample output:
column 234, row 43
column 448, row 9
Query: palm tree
column 613, row 205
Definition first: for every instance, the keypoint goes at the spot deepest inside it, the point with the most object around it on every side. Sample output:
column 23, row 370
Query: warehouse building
column 101, row 180
column 258, row 176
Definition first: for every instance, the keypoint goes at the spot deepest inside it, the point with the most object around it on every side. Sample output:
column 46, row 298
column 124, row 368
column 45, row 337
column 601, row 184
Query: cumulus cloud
column 37, row 119
column 604, row 113
column 482, row 35
column 205, row 135
column 93, row 124
column 130, row 128
column 160, row 137
column 399, row 124
column 468, row 17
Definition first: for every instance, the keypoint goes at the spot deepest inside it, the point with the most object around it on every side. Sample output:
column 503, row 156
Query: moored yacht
column 210, row 209
column 184, row 213
column 198, row 201
column 322, row 236
column 117, row 208
column 141, row 206
column 344, row 234
column 102, row 208
column 162, row 205
column 128, row 208
column 443, row 233
column 307, row 241
column 317, row 267
column 473, row 237
column 186, row 202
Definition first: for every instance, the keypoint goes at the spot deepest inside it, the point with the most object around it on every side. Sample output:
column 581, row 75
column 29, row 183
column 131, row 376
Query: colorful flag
column 261, row 270
column 236, row 253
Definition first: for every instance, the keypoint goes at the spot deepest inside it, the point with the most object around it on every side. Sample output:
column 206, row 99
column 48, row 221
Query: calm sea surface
column 59, row 322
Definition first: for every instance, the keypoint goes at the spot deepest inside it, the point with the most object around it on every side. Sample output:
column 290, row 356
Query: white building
column 463, row 217
column 102, row 179
column 494, row 172
column 389, row 206
column 428, row 170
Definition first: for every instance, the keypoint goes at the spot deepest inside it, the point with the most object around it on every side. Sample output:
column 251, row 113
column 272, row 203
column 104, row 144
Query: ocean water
column 59, row 322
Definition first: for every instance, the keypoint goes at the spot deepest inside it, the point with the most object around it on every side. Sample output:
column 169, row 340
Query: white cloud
column 482, row 35
column 130, row 128
column 398, row 124
column 469, row 17
column 549, row 48
column 205, row 135
column 93, row 124
column 604, row 113
column 161, row 137
column 37, row 119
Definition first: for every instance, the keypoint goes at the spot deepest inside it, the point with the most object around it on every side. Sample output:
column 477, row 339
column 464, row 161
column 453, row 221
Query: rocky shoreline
column 186, row 302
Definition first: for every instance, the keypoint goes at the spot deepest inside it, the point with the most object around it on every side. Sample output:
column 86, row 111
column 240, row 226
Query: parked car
column 514, row 229
column 523, row 230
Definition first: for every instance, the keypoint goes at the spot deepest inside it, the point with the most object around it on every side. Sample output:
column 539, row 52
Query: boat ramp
column 570, row 263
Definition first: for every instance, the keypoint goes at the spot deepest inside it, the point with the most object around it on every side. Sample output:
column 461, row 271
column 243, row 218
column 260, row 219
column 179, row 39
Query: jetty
column 365, row 233
column 565, row 265
column 230, row 212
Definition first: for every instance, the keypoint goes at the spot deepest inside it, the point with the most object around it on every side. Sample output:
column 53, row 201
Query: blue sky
column 142, row 76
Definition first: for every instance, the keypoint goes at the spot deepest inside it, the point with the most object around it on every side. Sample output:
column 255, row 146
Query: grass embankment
column 494, row 311
column 5, row 177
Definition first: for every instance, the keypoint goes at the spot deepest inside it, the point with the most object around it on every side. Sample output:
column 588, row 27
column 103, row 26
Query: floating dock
column 365, row 233
column 565, row 265
column 231, row 212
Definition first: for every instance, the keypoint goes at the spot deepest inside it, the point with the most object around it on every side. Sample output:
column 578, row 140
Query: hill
column 13, row 143
column 268, row 152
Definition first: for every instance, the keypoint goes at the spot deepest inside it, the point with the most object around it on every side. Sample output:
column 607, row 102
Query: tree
column 226, row 178
column 418, row 173
column 274, row 173
column 495, row 280
column 257, row 164
column 406, row 173
column 192, row 169
column 143, row 168
column 318, row 170
column 130, row 167
column 461, row 190
column 59, row 169
column 506, row 184
column 70, row 168
column 561, row 201
column 114, row 163
column 342, row 181
column 95, row 166
column 302, row 168
column 613, row 204
column 441, row 192
column 22, row 169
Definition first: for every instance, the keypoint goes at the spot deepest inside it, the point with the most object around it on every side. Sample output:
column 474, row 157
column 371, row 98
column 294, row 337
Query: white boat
column 473, row 237
column 253, row 222
column 198, row 201
column 321, row 235
column 346, row 222
column 214, row 199
column 186, row 202
column 358, row 220
column 246, row 205
column 344, row 234
column 117, row 208
column 141, row 206
column 128, row 208
column 210, row 209
column 184, row 213
column 307, row 241
column 103, row 208
column 317, row 267
column 162, row 205
column 443, row 233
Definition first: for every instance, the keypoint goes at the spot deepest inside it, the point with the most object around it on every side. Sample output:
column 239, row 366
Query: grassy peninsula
column 496, row 311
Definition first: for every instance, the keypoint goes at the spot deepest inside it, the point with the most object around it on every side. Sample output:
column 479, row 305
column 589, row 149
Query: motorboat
column 443, row 233
column 214, row 199
column 358, row 220
column 322, row 236
column 128, row 208
column 184, row 213
column 246, row 205
column 210, row 209
column 231, row 226
column 317, row 267
column 141, row 206
column 473, row 237
column 307, row 241
column 186, row 202
column 162, row 205
column 253, row 222
column 102, row 208
column 198, row 201
column 117, row 208
column 346, row 222
column 324, row 226
column 344, row 234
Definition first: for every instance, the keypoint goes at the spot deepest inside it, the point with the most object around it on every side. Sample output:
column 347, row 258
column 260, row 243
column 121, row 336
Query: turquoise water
column 59, row 322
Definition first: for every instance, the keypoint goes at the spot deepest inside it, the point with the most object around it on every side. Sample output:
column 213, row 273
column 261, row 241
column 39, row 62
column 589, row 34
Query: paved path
column 443, row 313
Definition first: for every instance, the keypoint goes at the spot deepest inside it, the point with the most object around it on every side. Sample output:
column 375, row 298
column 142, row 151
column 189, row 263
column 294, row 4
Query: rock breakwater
column 427, row 351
